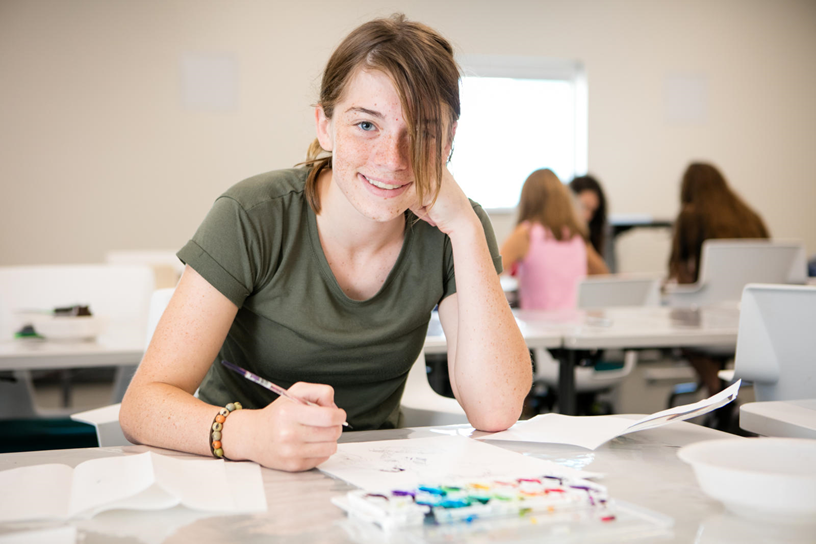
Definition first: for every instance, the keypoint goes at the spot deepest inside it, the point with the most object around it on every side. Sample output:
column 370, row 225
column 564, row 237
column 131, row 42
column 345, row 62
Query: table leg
column 566, row 382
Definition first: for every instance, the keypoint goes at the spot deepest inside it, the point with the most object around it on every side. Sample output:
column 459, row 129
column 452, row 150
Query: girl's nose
column 392, row 152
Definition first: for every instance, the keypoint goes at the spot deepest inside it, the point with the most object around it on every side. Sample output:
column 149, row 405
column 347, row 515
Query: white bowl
column 53, row 327
column 764, row 479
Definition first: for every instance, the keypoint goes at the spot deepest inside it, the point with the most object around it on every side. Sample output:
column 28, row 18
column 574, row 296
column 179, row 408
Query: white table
column 791, row 419
column 120, row 345
column 641, row 469
column 636, row 328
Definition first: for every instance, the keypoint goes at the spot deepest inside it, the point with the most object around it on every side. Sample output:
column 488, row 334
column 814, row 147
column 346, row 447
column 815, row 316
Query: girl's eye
column 367, row 126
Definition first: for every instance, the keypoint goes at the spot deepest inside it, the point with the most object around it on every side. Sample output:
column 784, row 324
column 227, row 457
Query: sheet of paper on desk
column 146, row 481
column 593, row 431
column 398, row 464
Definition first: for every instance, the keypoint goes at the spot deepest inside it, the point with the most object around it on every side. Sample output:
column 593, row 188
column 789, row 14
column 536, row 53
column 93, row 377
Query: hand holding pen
column 268, row 385
column 296, row 434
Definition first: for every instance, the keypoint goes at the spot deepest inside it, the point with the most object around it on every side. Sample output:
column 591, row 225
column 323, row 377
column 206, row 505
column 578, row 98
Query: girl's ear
column 323, row 127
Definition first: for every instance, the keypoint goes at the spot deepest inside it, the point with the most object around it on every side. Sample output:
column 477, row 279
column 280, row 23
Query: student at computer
column 709, row 209
column 328, row 274
column 549, row 249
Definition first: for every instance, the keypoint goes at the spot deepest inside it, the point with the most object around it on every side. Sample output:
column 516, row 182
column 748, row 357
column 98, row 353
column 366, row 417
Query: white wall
column 99, row 153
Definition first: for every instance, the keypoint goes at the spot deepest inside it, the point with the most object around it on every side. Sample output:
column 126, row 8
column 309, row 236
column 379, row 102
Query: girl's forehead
column 371, row 85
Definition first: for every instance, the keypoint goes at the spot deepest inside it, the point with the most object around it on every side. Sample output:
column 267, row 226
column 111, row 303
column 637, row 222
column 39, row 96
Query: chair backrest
column 618, row 290
column 158, row 303
column 643, row 250
column 776, row 344
column 422, row 406
column 727, row 266
column 117, row 292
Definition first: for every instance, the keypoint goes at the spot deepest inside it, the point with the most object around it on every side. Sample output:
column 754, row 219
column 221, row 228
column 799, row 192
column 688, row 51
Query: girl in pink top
column 548, row 250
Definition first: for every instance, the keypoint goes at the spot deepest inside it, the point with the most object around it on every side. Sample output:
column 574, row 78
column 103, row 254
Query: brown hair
column 545, row 200
column 597, row 226
column 421, row 66
column 709, row 209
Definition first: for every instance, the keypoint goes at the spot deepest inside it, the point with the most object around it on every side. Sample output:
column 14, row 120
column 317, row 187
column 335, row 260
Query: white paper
column 54, row 535
column 404, row 464
column 138, row 482
column 593, row 431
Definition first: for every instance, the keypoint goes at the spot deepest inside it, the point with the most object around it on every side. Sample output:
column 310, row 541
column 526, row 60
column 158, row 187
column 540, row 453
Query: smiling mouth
column 381, row 184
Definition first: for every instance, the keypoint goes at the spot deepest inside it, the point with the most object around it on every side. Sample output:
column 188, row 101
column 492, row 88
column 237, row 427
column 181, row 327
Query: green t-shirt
column 259, row 246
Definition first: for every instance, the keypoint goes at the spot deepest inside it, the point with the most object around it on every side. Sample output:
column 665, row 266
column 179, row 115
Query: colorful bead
column 218, row 425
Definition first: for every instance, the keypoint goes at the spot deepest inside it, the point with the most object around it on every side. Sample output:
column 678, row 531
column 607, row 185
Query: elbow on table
column 127, row 420
column 495, row 420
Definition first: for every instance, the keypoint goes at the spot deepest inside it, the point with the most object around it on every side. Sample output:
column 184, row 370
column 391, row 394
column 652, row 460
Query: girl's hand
column 290, row 436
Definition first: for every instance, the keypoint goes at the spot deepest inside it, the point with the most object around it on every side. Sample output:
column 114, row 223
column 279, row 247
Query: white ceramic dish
column 66, row 328
column 764, row 479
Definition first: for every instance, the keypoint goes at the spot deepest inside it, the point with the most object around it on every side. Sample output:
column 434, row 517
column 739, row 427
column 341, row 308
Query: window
column 518, row 114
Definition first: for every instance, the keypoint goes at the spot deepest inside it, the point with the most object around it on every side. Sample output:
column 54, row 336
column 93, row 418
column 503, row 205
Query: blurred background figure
column 549, row 250
column 709, row 208
column 592, row 202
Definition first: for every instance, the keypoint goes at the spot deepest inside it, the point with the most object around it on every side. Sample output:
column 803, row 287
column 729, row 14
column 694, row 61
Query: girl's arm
column 516, row 246
column 595, row 263
column 159, row 408
column 488, row 360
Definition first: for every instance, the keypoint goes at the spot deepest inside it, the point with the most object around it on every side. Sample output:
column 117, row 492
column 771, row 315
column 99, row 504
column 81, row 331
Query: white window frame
column 524, row 67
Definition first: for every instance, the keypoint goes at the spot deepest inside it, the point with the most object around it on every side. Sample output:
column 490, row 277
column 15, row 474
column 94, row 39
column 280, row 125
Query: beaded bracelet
column 218, row 426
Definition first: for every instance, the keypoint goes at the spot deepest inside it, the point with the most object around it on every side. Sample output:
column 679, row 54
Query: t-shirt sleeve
column 493, row 246
column 224, row 250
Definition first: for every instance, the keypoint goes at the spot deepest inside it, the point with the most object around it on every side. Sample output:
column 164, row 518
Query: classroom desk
column 120, row 345
column 791, row 419
column 538, row 333
column 640, row 468
column 637, row 328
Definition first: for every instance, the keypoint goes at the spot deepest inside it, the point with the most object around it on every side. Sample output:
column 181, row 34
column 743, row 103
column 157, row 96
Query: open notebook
column 145, row 481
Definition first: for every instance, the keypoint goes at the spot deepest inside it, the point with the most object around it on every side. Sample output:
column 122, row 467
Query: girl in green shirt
column 330, row 273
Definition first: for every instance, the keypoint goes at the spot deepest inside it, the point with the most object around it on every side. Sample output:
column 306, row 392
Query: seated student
column 329, row 274
column 592, row 200
column 549, row 249
column 709, row 208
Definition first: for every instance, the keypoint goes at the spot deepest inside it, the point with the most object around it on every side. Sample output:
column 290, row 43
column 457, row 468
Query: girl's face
column 589, row 203
column 369, row 141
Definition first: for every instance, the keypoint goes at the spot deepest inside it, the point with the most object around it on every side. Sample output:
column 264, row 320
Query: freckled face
column 589, row 204
column 369, row 141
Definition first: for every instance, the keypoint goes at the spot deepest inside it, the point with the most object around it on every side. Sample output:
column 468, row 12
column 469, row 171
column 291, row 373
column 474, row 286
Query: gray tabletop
column 641, row 469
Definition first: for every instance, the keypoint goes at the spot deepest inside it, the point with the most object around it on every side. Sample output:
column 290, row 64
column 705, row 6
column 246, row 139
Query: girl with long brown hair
column 709, row 209
column 550, row 245
column 328, row 274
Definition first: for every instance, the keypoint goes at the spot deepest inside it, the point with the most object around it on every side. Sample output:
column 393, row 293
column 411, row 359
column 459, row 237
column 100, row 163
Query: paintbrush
column 268, row 385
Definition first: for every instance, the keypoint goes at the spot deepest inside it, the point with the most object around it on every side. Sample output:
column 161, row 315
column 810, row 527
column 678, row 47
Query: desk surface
column 121, row 344
column 641, row 468
column 791, row 419
column 655, row 327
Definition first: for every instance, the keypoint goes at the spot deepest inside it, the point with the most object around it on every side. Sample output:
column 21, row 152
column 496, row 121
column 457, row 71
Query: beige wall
column 98, row 152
